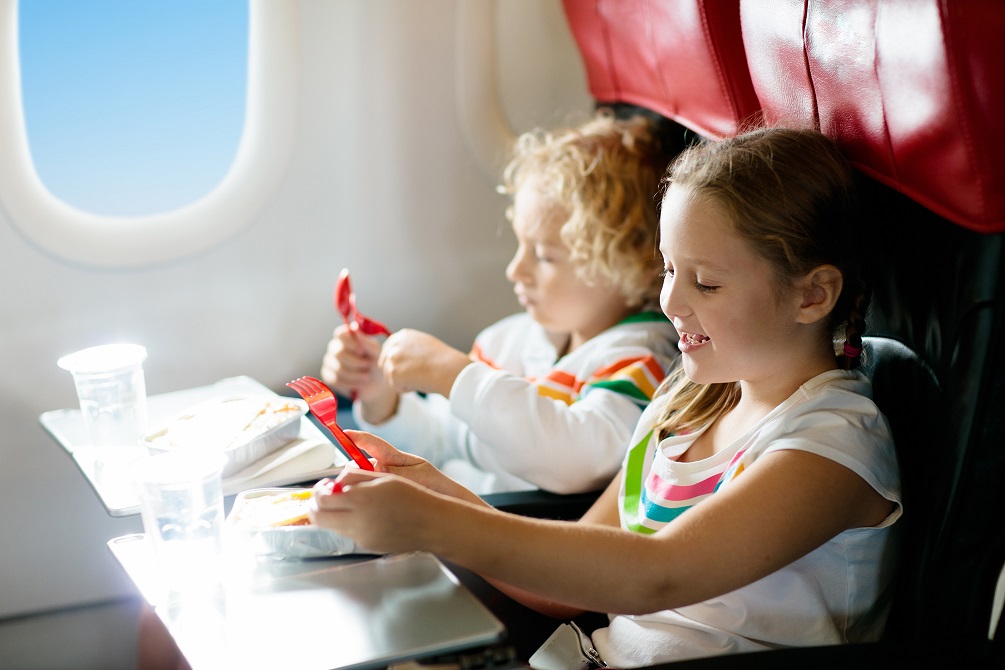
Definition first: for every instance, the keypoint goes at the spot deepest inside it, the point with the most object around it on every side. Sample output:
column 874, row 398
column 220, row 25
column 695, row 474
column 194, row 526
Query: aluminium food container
column 244, row 428
column 282, row 541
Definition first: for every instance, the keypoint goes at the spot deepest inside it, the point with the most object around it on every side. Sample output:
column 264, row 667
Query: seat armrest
column 543, row 505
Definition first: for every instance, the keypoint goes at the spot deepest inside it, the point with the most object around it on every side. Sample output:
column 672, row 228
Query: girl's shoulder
column 833, row 415
column 837, row 391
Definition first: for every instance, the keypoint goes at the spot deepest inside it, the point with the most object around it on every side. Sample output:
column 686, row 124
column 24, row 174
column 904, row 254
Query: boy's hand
column 350, row 368
column 417, row 361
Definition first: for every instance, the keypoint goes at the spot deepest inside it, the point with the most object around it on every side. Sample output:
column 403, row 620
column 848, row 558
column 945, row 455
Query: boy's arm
column 519, row 426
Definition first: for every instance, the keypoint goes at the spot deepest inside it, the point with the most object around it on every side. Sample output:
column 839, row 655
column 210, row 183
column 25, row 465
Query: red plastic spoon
column 345, row 303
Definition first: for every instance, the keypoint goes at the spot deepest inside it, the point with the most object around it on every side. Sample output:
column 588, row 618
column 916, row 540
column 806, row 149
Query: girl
column 757, row 502
column 546, row 398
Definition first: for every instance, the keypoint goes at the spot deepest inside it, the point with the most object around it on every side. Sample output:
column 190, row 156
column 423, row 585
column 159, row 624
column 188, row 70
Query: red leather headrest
column 912, row 89
column 681, row 58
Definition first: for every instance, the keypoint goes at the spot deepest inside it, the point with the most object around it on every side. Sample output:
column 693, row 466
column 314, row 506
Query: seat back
column 905, row 388
column 683, row 59
column 912, row 90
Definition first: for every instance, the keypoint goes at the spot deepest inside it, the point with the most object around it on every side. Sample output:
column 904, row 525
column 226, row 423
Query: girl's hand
column 381, row 512
column 387, row 459
column 416, row 361
column 397, row 507
column 350, row 368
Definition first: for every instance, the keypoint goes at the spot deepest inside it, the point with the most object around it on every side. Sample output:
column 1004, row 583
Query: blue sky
column 133, row 106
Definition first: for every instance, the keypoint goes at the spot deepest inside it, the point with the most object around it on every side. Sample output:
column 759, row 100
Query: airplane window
column 131, row 107
column 142, row 133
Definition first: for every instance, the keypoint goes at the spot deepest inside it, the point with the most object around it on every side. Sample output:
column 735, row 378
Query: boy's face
column 545, row 279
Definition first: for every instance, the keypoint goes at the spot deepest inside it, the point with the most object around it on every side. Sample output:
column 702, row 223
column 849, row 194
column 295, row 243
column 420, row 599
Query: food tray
column 246, row 428
column 282, row 541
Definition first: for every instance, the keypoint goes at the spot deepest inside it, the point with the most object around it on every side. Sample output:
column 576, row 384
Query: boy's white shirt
column 497, row 433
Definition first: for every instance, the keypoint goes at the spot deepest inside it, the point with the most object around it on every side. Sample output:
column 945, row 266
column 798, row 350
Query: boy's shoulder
column 514, row 325
column 510, row 340
column 649, row 330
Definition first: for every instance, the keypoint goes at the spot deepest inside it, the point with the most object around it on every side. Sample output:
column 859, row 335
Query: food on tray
column 288, row 508
column 225, row 423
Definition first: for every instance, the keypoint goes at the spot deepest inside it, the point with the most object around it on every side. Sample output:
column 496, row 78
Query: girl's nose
column 671, row 300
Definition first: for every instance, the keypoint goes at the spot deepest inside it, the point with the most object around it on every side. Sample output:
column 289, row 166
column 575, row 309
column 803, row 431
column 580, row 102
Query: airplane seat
column 912, row 91
column 905, row 387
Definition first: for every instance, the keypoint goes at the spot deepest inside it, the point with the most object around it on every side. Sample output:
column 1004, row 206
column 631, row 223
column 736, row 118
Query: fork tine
column 315, row 385
column 298, row 387
column 312, row 389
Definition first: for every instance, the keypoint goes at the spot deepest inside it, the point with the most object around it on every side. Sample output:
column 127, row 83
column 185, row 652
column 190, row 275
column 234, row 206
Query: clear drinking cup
column 181, row 503
column 113, row 398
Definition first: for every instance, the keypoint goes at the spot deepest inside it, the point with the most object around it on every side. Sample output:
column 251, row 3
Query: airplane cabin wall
column 381, row 182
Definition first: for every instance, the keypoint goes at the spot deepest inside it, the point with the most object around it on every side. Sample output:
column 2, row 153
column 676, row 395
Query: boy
column 546, row 398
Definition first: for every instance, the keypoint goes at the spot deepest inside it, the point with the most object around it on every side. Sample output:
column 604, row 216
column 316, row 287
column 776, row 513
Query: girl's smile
column 690, row 342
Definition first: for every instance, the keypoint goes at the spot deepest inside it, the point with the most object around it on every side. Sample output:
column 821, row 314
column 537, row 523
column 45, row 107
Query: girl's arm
column 603, row 512
column 733, row 538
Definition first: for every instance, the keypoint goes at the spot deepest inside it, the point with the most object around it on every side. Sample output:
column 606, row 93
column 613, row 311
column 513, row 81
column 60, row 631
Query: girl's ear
column 818, row 291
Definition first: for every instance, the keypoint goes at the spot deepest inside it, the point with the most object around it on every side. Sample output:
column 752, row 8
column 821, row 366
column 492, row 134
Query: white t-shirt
column 838, row 593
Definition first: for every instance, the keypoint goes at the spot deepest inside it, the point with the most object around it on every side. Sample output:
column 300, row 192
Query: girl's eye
column 704, row 288
column 667, row 272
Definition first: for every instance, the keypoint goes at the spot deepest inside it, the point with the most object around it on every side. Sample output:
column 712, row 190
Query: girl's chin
column 697, row 373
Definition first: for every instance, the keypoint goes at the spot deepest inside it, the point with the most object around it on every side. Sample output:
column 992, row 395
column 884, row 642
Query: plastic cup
column 181, row 503
column 113, row 397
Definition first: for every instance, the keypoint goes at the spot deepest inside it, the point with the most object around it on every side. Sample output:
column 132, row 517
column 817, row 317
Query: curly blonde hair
column 605, row 174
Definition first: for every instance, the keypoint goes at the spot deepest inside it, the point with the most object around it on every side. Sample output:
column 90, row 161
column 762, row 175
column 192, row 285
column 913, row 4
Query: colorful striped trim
column 636, row 378
column 478, row 354
column 648, row 316
column 649, row 505
column 633, row 486
column 733, row 470
column 661, row 513
column 668, row 492
column 559, row 385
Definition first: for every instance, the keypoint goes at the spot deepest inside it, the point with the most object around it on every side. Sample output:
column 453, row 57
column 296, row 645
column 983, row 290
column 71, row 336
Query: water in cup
column 113, row 398
column 181, row 503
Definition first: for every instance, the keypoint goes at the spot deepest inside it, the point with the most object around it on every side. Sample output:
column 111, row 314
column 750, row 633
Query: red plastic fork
column 345, row 303
column 324, row 405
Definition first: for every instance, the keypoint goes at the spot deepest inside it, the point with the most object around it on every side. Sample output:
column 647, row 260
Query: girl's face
column 544, row 277
column 734, row 320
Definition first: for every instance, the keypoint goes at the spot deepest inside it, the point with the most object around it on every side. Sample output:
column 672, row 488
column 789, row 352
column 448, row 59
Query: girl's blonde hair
column 605, row 174
column 791, row 195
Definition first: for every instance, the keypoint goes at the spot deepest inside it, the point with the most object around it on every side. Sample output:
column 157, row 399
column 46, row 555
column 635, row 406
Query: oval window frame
column 261, row 160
